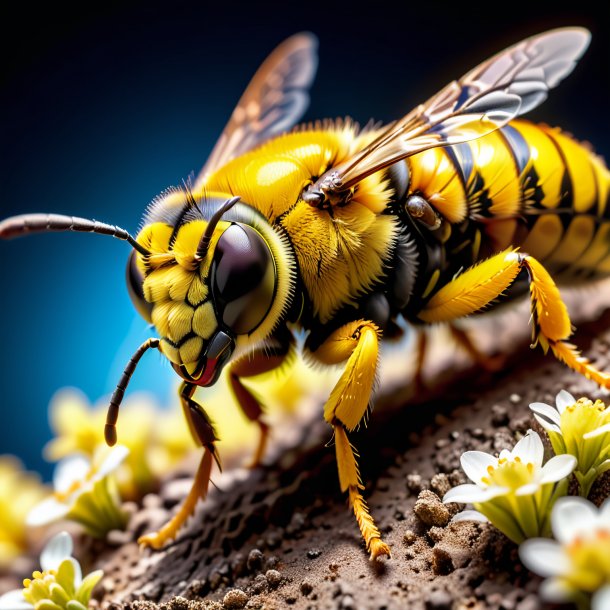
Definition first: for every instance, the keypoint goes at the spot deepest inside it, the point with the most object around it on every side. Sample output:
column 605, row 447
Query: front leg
column 203, row 432
column 272, row 355
column 358, row 343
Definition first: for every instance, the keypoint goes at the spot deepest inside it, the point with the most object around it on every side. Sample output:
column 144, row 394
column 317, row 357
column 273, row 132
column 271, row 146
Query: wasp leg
column 264, row 359
column 202, row 429
column 421, row 349
column 465, row 342
column 478, row 286
column 358, row 343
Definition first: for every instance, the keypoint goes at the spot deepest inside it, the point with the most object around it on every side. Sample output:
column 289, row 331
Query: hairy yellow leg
column 198, row 490
column 203, row 433
column 349, row 480
column 358, row 343
column 479, row 285
column 263, row 360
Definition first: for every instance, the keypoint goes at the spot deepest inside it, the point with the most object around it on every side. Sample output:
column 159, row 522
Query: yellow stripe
column 495, row 163
column 597, row 250
column 576, row 240
column 579, row 167
column 604, row 265
column 435, row 176
column 544, row 237
column 602, row 176
column 546, row 161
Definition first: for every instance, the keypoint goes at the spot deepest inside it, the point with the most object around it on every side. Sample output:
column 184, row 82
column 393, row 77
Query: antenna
column 18, row 226
column 206, row 238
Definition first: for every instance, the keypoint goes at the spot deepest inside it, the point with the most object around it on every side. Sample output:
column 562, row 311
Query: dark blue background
column 105, row 105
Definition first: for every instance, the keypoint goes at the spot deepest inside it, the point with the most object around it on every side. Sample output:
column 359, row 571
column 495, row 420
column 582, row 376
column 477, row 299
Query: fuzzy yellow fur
column 359, row 342
column 340, row 255
column 474, row 289
column 548, row 309
column 349, row 480
column 570, row 355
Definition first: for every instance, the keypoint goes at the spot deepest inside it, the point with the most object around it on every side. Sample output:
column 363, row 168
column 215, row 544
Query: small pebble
column 260, row 585
column 313, row 553
column 274, row 578
column 410, row 537
column 306, row 587
column 499, row 415
column 440, row 484
column 414, row 483
column 430, row 509
column 255, row 560
column 515, row 399
column 235, row 599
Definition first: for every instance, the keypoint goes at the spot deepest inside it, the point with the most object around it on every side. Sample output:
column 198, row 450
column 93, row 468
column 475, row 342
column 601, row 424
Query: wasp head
column 218, row 280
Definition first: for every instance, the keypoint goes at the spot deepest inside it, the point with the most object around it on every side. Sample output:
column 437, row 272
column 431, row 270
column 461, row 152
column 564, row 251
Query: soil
column 282, row 536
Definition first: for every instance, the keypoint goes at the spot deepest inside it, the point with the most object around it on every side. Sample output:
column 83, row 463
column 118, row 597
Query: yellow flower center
column 37, row 588
column 509, row 473
column 584, row 416
column 590, row 559
column 577, row 420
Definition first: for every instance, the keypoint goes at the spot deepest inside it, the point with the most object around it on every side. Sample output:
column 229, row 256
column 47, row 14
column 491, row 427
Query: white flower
column 581, row 428
column 60, row 585
column 514, row 491
column 576, row 564
column 85, row 493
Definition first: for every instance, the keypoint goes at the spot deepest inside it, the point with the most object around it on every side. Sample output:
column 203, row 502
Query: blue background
column 105, row 105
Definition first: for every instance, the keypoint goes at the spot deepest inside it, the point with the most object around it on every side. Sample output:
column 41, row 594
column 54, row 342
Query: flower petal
column 47, row 511
column 557, row 468
column 468, row 493
column 111, row 461
column 476, row 463
column 598, row 431
column 601, row 599
column 546, row 412
column 72, row 468
column 470, row 515
column 527, row 490
column 544, row 557
column 572, row 516
column 556, row 590
column 84, row 591
column 14, row 600
column 564, row 399
column 529, row 449
column 56, row 550
column 603, row 517
column 546, row 425
column 69, row 575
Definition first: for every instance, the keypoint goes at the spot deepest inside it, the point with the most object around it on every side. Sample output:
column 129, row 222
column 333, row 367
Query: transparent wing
column 273, row 102
column 509, row 84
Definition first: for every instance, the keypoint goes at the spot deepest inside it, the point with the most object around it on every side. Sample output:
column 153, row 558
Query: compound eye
column 135, row 282
column 242, row 279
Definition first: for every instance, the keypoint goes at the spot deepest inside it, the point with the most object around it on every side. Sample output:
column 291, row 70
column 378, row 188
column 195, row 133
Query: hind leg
column 479, row 285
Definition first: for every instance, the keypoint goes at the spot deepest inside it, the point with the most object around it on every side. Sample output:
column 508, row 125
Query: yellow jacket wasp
column 341, row 231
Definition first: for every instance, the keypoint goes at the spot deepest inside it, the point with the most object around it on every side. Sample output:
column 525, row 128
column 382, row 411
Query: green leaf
column 75, row 605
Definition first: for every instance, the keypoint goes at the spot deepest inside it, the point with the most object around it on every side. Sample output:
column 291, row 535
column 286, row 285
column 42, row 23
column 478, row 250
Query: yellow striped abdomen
column 524, row 185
